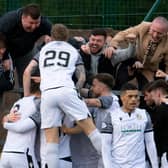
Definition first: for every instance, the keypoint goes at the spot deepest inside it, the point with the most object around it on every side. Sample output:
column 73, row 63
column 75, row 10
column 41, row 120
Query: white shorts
column 16, row 160
column 56, row 103
column 63, row 164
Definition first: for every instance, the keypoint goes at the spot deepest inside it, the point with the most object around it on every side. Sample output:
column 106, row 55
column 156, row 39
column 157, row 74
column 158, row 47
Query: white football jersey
column 128, row 149
column 57, row 64
column 16, row 141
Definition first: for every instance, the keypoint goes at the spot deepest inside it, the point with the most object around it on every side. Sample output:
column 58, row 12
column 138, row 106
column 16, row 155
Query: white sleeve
column 151, row 149
column 106, row 150
column 20, row 126
column 115, row 105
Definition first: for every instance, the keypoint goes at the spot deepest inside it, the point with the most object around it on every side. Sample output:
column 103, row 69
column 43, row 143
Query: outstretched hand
column 85, row 48
column 160, row 74
column 109, row 51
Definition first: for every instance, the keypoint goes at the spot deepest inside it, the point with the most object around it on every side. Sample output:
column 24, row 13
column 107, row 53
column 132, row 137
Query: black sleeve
column 36, row 117
column 160, row 128
column 45, row 26
column 107, row 127
column 36, row 57
column 8, row 21
column 149, row 126
column 106, row 101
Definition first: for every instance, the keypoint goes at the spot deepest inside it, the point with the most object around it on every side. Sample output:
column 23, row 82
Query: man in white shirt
column 83, row 153
column 57, row 64
column 18, row 150
column 126, row 132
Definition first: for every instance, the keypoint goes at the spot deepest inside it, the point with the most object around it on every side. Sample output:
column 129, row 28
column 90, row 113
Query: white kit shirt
column 21, row 141
column 127, row 148
column 57, row 64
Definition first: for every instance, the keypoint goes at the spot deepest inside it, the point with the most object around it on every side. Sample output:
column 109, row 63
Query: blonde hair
column 59, row 32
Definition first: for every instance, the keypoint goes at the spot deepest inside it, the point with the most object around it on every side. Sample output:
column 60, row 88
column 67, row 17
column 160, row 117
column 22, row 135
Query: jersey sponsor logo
column 16, row 108
column 131, row 128
column 139, row 117
column 104, row 125
column 106, row 128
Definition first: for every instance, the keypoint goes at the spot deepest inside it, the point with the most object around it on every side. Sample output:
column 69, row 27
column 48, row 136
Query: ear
column 122, row 97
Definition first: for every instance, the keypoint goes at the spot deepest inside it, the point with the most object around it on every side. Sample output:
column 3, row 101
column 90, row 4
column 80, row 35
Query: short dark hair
column 128, row 86
column 99, row 31
column 159, row 84
column 147, row 87
column 32, row 10
column 105, row 78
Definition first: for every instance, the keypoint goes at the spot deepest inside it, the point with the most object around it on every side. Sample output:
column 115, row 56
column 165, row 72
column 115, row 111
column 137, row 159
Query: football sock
column 52, row 155
column 95, row 138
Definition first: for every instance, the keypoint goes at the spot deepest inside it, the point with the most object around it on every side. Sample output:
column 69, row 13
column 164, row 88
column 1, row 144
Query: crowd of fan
column 104, row 66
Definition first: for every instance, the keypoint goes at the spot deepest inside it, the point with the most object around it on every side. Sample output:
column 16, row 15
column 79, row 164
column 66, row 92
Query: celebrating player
column 126, row 132
column 57, row 64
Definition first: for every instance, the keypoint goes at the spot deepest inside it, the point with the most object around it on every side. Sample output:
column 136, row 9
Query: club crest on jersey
column 139, row 117
column 104, row 125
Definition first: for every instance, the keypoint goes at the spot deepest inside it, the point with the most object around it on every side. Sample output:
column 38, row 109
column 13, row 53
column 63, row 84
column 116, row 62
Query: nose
column 34, row 26
column 155, row 34
column 93, row 42
column 134, row 98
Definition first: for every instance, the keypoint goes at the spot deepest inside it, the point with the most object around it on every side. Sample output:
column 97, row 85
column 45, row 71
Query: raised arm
column 80, row 75
column 122, row 35
column 123, row 54
column 100, row 102
column 27, row 76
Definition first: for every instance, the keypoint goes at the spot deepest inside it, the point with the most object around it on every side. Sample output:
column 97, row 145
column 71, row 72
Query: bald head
column 158, row 28
column 161, row 21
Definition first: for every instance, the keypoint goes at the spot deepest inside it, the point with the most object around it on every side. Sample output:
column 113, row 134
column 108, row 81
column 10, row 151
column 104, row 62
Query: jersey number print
column 61, row 56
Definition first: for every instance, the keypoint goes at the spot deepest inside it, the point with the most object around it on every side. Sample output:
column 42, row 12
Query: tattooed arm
column 80, row 75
